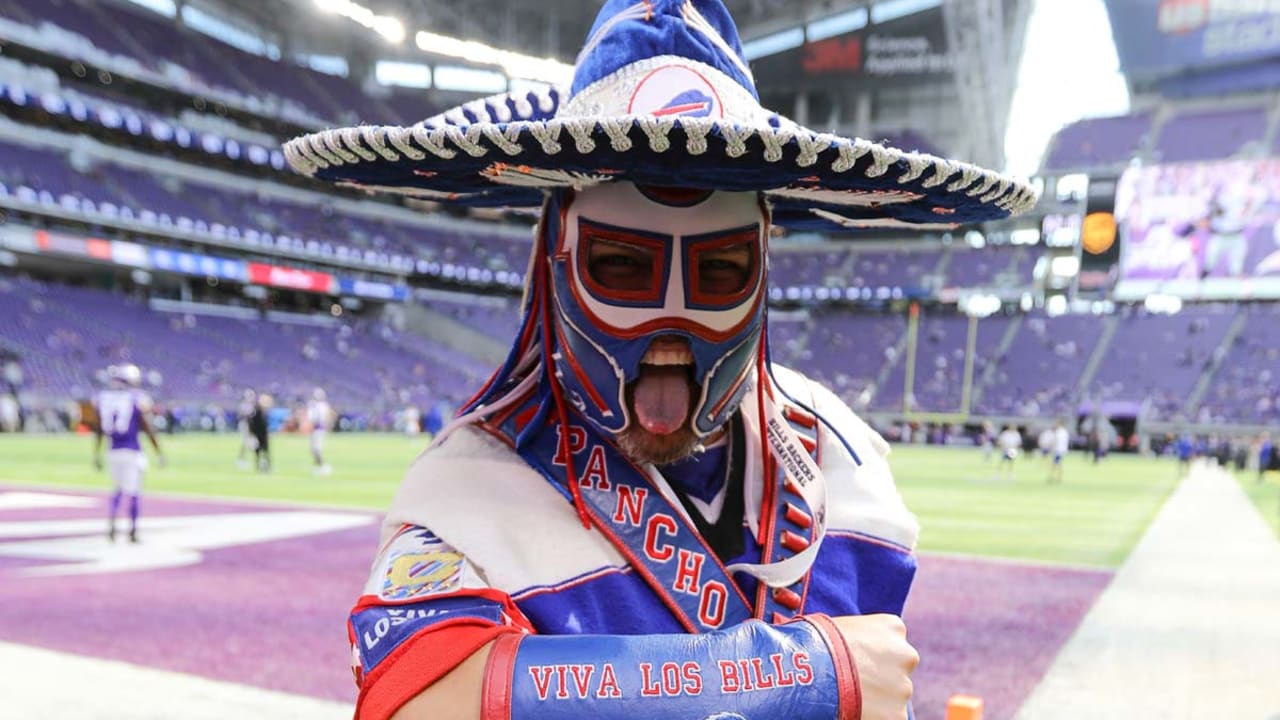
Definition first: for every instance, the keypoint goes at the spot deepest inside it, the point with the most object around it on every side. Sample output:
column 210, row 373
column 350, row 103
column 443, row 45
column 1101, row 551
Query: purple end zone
column 273, row 614
column 991, row 629
column 269, row 614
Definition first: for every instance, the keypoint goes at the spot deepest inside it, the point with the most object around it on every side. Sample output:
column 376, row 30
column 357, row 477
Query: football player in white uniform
column 320, row 417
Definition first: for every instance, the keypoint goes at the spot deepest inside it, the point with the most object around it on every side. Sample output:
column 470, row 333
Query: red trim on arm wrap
column 420, row 662
column 495, row 696
column 850, row 688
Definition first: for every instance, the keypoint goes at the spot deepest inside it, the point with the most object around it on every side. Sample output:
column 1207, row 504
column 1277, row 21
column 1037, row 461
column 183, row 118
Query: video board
column 1200, row 230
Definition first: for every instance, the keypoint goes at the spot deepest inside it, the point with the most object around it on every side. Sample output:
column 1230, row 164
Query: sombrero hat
column 661, row 95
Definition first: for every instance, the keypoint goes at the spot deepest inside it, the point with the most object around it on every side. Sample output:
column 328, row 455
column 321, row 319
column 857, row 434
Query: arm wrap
column 801, row 671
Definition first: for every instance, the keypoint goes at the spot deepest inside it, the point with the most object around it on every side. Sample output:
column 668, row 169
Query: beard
column 643, row 446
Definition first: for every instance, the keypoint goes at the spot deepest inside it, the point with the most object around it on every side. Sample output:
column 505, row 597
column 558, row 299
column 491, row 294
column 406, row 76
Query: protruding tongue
column 661, row 398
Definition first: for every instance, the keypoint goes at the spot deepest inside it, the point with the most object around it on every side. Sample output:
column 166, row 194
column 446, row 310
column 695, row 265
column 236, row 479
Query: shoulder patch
column 410, row 574
column 417, row 563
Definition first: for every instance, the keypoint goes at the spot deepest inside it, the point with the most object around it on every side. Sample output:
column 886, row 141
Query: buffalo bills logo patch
column 694, row 103
column 674, row 90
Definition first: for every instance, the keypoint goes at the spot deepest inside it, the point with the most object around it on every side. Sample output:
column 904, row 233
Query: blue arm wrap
column 754, row 671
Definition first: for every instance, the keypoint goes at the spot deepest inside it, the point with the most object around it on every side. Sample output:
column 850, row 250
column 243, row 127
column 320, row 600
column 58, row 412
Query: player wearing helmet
column 122, row 415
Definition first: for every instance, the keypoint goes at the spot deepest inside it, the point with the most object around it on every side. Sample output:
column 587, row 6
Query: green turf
column 366, row 468
column 1093, row 518
column 1265, row 496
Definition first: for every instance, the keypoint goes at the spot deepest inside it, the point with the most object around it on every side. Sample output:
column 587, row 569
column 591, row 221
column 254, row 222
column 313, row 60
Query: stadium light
column 388, row 27
column 838, row 24
column 1065, row 266
column 773, row 44
column 466, row 79
column 514, row 64
column 415, row 75
column 980, row 305
column 1024, row 236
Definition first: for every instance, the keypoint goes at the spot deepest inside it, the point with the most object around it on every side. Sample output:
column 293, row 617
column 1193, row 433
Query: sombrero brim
column 814, row 180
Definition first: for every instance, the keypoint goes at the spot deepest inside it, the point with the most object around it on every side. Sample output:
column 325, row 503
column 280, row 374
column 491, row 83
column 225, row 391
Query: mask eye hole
column 620, row 266
column 727, row 270
column 724, row 268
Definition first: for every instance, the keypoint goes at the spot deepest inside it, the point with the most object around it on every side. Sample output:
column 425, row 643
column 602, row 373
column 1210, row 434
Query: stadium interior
column 148, row 216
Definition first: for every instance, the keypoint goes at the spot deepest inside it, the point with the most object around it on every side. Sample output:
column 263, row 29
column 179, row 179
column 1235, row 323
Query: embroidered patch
column 675, row 90
column 411, row 574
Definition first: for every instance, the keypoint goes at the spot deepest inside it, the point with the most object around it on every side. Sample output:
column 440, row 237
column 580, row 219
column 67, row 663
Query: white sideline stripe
column 19, row 500
column 1017, row 562
column 40, row 683
column 1189, row 628
column 100, row 490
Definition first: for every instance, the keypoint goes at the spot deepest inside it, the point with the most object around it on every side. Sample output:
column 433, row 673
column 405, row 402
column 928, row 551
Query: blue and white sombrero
column 661, row 96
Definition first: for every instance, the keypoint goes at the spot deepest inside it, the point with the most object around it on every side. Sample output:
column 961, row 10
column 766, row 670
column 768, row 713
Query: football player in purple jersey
column 122, row 416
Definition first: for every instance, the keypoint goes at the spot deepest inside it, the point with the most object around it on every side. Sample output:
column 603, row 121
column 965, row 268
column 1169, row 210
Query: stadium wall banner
column 197, row 264
column 372, row 289
column 1200, row 230
column 292, row 278
column 1156, row 38
column 95, row 248
column 129, row 253
column 910, row 49
column 19, row 239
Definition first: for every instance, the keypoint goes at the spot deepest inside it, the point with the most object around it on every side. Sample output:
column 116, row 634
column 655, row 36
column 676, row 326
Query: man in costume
column 640, row 516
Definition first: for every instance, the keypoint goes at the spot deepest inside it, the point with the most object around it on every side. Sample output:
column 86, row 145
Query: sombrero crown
column 661, row 95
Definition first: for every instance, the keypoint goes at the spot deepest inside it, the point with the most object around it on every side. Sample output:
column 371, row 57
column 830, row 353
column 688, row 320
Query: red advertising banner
column 292, row 278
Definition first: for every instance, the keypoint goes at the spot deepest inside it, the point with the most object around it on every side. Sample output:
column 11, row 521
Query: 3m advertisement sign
column 904, row 50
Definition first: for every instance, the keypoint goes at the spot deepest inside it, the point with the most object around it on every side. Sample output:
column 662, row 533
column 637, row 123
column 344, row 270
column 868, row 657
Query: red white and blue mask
column 633, row 265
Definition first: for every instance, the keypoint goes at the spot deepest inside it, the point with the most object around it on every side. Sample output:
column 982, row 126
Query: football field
column 244, row 579
column 1092, row 519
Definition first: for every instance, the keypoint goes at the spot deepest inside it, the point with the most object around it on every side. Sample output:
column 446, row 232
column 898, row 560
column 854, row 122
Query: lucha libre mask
column 634, row 264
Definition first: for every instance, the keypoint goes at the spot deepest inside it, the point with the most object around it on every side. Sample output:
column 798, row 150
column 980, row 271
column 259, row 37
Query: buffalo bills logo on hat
column 690, row 102
column 675, row 90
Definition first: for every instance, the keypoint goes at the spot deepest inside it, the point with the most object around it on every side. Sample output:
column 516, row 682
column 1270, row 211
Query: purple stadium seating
column 845, row 351
column 1210, row 134
column 940, row 362
column 815, row 268
column 163, row 46
column 888, row 268
column 979, row 268
column 166, row 201
column 1098, row 141
column 1038, row 374
column 64, row 335
column 500, row 322
column 1247, row 386
column 1157, row 359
